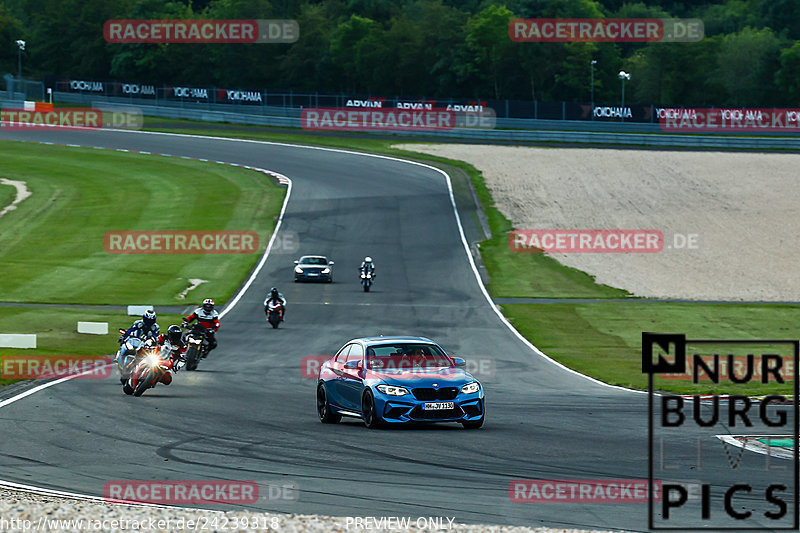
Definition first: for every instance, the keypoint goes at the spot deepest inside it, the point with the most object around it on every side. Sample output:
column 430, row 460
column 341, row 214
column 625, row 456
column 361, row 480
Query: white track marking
column 22, row 193
column 194, row 283
column 249, row 282
column 485, row 293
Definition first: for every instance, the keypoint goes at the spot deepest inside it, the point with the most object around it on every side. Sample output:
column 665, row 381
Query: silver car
column 313, row 268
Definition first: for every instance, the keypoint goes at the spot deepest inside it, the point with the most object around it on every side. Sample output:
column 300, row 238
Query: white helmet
column 368, row 259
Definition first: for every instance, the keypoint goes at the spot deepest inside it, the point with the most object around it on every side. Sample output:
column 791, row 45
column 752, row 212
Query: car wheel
column 368, row 412
column 326, row 416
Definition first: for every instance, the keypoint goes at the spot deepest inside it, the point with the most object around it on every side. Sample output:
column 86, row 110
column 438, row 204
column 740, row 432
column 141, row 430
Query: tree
column 746, row 63
column 357, row 47
column 730, row 17
column 488, row 41
column 10, row 30
column 788, row 76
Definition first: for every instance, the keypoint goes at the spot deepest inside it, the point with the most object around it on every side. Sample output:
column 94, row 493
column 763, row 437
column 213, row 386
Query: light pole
column 623, row 76
column 594, row 62
column 21, row 45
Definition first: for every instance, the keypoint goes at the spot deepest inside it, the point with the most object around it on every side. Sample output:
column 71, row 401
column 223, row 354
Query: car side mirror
column 297, row 262
column 330, row 262
column 460, row 361
column 352, row 365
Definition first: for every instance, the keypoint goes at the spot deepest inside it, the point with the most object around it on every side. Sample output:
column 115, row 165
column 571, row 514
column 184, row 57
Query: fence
column 211, row 95
column 575, row 132
column 22, row 89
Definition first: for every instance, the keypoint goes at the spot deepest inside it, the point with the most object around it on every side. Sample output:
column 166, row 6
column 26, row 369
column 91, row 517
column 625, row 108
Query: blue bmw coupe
column 398, row 380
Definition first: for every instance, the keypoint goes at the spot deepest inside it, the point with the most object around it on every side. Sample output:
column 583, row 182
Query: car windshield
column 313, row 261
column 406, row 356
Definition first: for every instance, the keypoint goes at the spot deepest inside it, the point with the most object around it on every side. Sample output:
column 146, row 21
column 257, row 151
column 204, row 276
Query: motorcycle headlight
column 392, row 390
column 470, row 388
column 326, row 270
column 195, row 341
column 153, row 359
column 298, row 270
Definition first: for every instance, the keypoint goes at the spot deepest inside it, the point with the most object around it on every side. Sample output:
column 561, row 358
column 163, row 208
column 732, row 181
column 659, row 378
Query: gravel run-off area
column 742, row 208
column 23, row 511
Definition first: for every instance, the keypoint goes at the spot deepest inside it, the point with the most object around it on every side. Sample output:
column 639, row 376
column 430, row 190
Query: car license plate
column 438, row 406
column 312, row 274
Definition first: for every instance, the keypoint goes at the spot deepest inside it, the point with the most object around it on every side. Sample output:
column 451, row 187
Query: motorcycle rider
column 209, row 318
column 277, row 297
column 367, row 264
column 174, row 341
column 144, row 328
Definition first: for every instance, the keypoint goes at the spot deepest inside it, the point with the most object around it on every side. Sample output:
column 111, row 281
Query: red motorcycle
column 274, row 312
column 153, row 368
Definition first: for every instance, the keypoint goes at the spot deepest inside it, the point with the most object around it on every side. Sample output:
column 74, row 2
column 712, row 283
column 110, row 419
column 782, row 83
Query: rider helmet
column 174, row 334
column 368, row 259
column 273, row 292
column 149, row 318
column 208, row 305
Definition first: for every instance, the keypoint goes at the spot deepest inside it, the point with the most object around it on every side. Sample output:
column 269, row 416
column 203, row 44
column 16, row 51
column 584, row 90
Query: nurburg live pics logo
column 739, row 494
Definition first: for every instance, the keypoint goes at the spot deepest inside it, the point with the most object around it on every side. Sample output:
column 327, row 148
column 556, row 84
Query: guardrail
column 560, row 131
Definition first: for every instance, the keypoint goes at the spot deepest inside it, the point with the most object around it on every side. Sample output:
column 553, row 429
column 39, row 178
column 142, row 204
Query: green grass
column 56, row 331
column 52, row 249
column 512, row 274
column 7, row 195
column 603, row 339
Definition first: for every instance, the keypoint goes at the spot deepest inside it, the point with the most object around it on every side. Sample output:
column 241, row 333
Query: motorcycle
column 130, row 353
column 150, row 370
column 367, row 278
column 197, row 342
column 274, row 311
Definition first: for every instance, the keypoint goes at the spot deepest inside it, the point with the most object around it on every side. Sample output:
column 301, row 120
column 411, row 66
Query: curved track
column 248, row 413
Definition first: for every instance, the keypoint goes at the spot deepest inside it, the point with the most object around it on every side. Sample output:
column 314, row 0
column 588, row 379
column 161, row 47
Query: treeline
column 426, row 48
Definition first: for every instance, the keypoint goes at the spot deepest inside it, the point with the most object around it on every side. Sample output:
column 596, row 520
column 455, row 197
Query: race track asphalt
column 249, row 414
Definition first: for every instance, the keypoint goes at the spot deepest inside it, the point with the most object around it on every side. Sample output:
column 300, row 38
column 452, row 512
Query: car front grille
column 427, row 394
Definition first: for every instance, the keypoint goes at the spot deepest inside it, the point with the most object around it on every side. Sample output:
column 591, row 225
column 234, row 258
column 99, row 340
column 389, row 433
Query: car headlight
column 470, row 388
column 298, row 270
column 326, row 270
column 392, row 390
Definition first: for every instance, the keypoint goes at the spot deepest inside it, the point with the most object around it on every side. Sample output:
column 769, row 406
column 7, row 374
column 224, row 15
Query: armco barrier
column 572, row 132
column 15, row 340
column 93, row 328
